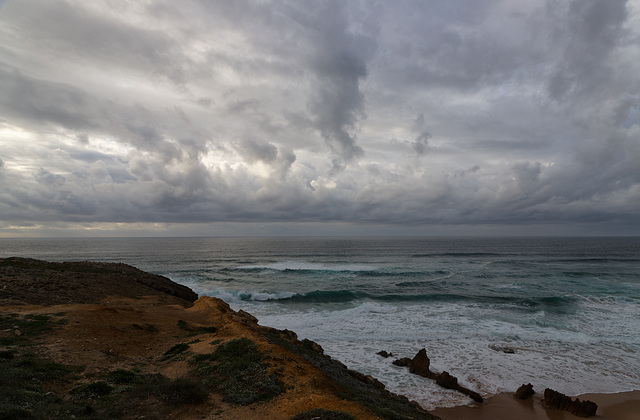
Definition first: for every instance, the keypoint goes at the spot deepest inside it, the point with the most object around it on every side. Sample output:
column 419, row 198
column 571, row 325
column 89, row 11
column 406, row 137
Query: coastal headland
column 105, row 340
column 101, row 340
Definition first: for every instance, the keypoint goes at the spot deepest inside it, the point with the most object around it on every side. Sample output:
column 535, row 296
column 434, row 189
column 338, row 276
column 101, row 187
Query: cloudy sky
column 319, row 117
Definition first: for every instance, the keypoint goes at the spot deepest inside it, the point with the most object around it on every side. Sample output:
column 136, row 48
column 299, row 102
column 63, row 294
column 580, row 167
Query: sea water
column 569, row 308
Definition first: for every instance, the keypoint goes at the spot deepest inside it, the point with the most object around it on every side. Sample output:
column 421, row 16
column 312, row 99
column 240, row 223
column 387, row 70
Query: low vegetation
column 238, row 370
column 321, row 414
column 31, row 387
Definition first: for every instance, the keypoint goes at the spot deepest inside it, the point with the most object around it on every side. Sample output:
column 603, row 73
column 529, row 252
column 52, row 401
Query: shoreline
column 614, row 406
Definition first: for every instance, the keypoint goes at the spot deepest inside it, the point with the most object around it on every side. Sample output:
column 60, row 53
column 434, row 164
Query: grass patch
column 322, row 414
column 93, row 390
column 122, row 376
column 7, row 354
column 207, row 330
column 23, row 380
column 175, row 350
column 185, row 326
column 127, row 394
column 174, row 392
column 237, row 369
column 146, row 327
column 30, row 326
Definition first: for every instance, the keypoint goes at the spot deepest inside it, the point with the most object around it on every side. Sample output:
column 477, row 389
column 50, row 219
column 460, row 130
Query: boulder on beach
column 556, row 400
column 524, row 392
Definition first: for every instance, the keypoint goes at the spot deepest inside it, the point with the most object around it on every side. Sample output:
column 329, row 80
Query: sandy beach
column 618, row 406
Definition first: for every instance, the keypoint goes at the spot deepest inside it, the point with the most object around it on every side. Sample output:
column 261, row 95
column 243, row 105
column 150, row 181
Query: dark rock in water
column 405, row 361
column 446, row 380
column 384, row 354
column 507, row 350
column 559, row 401
column 474, row 395
column 420, row 365
column 524, row 392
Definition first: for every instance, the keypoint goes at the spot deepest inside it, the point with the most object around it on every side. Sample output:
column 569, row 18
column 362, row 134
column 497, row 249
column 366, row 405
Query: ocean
column 568, row 307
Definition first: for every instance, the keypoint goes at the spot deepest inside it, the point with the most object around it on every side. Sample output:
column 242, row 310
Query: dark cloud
column 252, row 151
column 589, row 33
column 340, row 63
column 260, row 111
column 421, row 141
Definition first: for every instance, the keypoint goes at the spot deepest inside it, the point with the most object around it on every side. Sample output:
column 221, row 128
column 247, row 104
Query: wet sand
column 620, row 406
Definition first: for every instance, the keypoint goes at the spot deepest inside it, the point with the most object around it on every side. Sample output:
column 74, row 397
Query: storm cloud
column 356, row 116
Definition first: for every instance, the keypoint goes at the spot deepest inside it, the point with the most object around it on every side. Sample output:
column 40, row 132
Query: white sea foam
column 242, row 295
column 303, row 265
column 458, row 339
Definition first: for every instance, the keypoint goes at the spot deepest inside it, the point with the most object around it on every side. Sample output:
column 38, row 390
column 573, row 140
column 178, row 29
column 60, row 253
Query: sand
column 619, row 406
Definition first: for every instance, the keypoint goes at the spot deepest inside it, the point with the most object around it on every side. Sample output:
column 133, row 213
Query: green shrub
column 93, row 390
column 6, row 354
column 172, row 391
column 15, row 413
column 23, row 393
column 184, row 325
column 122, row 376
column 239, row 372
column 177, row 349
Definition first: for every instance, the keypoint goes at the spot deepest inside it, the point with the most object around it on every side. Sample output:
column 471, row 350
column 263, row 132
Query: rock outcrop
column 503, row 349
column 556, row 400
column 420, row 365
column 404, row 362
column 449, row 381
column 35, row 282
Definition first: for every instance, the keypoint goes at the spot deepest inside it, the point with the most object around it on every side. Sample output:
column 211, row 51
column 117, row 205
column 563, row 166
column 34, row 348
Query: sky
column 225, row 118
